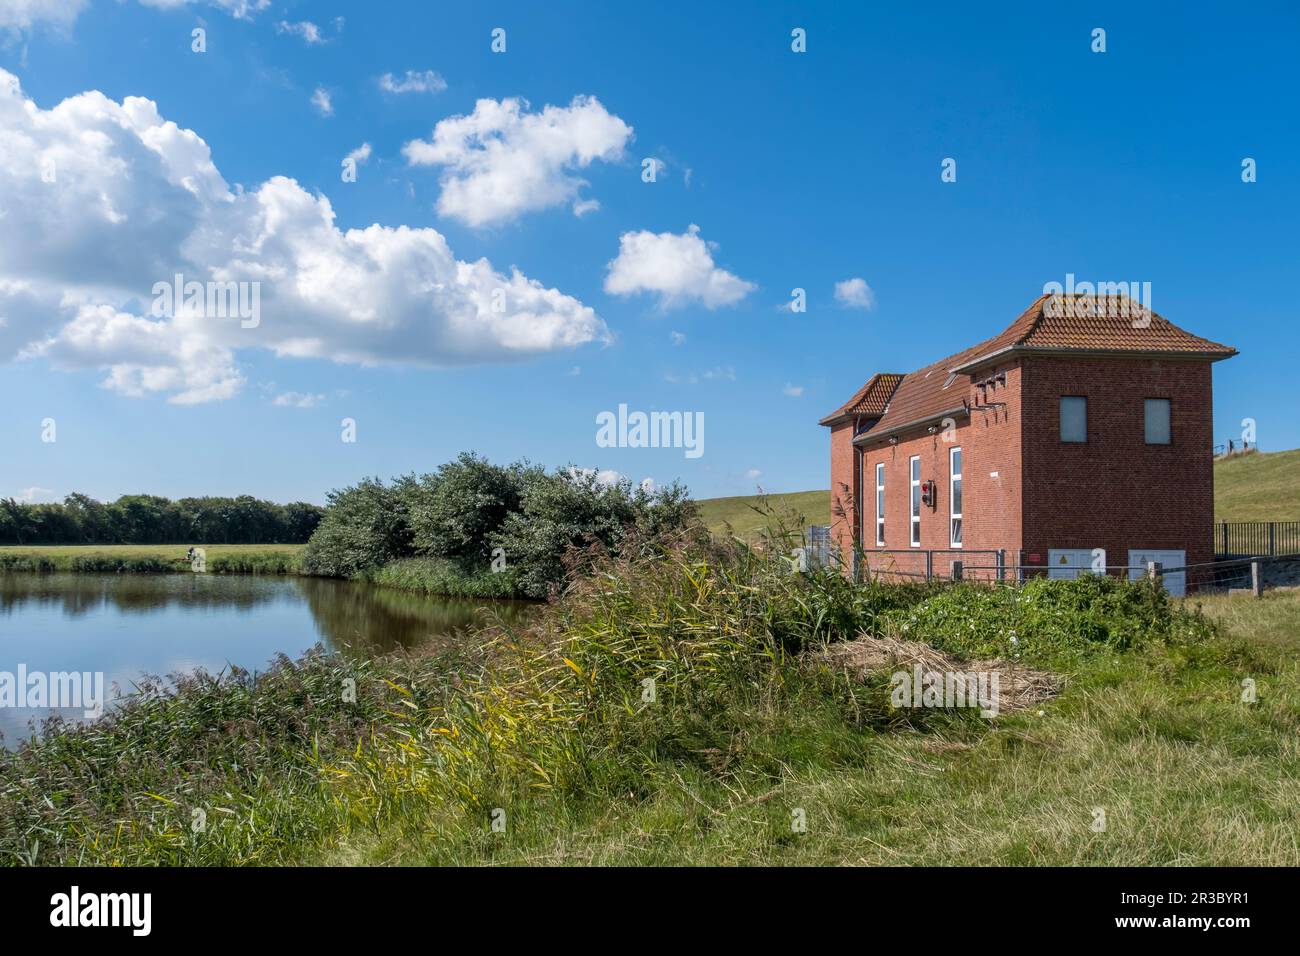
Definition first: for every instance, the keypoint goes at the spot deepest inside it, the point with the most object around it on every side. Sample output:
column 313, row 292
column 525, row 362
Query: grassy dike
column 549, row 731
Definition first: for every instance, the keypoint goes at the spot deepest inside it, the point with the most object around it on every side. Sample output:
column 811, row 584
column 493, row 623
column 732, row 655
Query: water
column 125, row 625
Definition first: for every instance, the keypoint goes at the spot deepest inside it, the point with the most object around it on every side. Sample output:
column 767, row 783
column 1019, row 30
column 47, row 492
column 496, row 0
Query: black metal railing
column 1250, row 538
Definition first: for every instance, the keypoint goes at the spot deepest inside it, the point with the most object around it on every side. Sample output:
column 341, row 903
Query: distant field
column 166, row 551
column 739, row 513
column 1263, row 486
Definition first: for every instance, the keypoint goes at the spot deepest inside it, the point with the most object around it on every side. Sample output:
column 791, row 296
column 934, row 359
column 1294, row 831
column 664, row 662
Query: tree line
column 150, row 519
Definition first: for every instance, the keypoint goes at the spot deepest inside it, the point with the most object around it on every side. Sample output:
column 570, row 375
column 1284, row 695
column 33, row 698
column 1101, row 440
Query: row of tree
column 517, row 519
column 150, row 519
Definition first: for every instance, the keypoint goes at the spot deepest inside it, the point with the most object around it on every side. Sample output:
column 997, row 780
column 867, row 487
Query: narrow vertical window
column 1157, row 421
column 916, row 501
column 1074, row 418
column 880, row 505
column 954, row 497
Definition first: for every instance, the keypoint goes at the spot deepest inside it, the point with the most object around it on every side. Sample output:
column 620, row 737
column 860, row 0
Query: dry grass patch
column 1019, row 687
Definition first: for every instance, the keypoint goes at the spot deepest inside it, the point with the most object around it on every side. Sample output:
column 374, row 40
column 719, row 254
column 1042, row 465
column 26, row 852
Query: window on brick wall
column 954, row 497
column 880, row 504
column 1074, row 418
column 1157, row 421
column 916, row 501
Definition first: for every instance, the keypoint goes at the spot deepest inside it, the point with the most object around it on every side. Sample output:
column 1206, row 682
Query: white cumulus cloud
column 19, row 15
column 678, row 268
column 29, row 495
column 502, row 161
column 104, row 201
column 421, row 81
column 855, row 294
column 240, row 9
column 360, row 155
column 321, row 100
column 307, row 31
column 298, row 399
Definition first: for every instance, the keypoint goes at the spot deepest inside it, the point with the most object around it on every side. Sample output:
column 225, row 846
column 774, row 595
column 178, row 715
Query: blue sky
column 799, row 170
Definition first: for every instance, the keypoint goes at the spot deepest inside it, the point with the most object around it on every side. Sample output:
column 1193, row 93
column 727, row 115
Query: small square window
column 1157, row 421
column 1074, row 418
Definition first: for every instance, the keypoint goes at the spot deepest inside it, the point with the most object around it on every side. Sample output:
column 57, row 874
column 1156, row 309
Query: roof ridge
column 1034, row 314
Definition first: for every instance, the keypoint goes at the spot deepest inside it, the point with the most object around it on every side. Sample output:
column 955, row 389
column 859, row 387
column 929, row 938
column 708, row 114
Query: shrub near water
column 470, row 515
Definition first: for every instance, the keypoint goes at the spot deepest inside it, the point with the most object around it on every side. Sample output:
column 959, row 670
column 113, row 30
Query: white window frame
column 880, row 504
column 914, row 475
column 954, row 479
column 1169, row 421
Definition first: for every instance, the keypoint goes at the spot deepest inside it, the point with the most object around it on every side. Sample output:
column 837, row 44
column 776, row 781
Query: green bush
column 1047, row 621
column 474, row 514
column 364, row 527
column 563, row 513
column 455, row 512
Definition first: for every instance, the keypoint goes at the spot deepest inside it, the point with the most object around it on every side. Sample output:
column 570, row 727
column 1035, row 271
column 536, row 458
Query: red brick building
column 1079, row 436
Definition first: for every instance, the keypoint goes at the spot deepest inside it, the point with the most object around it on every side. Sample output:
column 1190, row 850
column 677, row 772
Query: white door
column 1068, row 563
column 1175, row 582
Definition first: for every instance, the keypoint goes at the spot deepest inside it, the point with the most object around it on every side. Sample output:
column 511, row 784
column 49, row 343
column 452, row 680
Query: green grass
column 1261, row 486
column 1159, row 739
column 443, row 577
column 746, row 518
column 164, row 551
column 551, row 728
column 151, row 558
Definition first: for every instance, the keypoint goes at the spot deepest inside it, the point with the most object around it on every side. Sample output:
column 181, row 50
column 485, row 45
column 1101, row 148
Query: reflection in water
column 125, row 625
column 363, row 618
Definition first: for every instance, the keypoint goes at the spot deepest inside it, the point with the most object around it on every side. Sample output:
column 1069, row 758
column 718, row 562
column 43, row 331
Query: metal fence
column 1251, row 574
column 817, row 545
column 1256, row 538
column 1255, row 566
column 928, row 564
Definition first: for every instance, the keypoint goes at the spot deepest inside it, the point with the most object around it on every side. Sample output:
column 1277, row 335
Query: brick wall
column 991, row 485
column 1025, row 490
column 843, row 488
column 1115, row 491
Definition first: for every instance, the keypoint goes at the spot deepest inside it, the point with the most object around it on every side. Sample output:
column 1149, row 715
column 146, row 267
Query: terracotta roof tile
column 870, row 400
column 1100, row 324
column 1108, row 324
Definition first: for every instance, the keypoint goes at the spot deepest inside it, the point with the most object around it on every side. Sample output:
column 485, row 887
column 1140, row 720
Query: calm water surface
column 127, row 625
